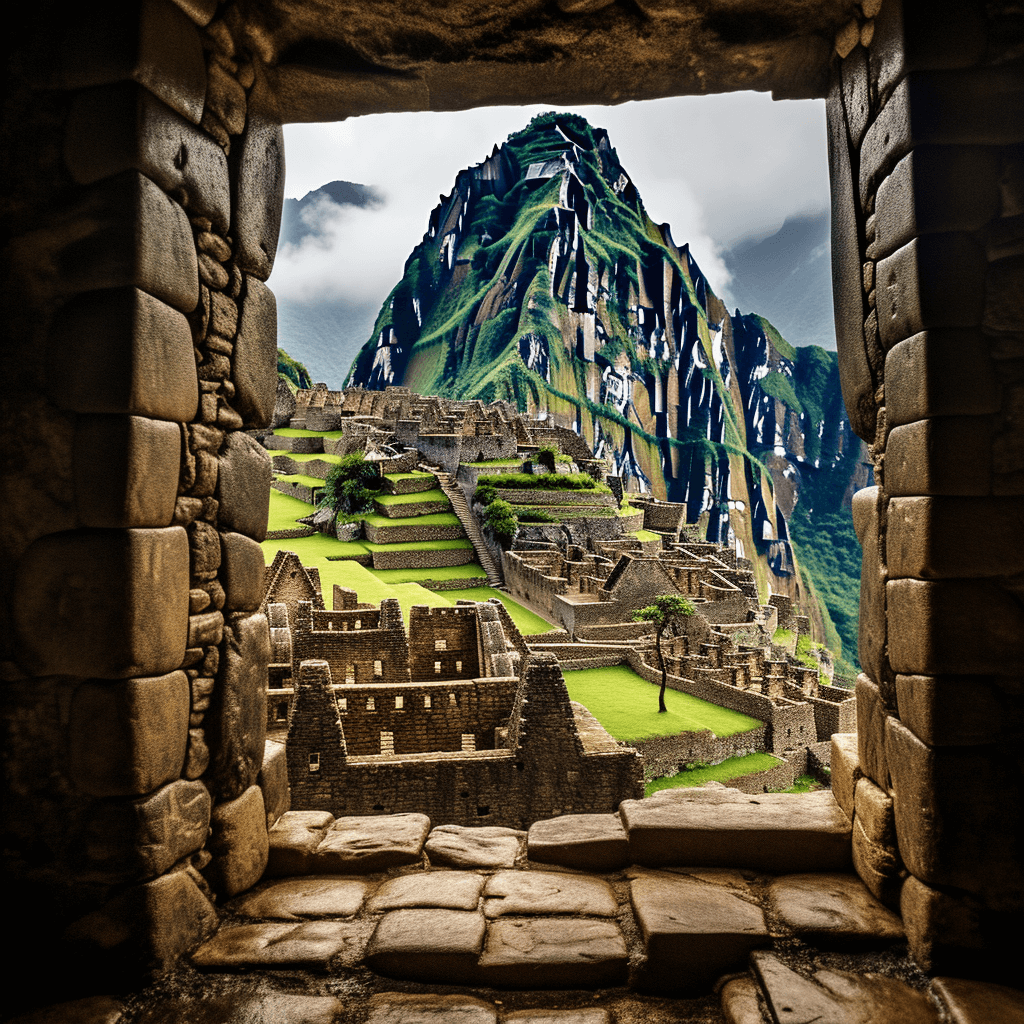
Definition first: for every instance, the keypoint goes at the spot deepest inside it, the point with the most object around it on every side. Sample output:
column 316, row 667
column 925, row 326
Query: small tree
column 667, row 609
column 351, row 486
column 501, row 518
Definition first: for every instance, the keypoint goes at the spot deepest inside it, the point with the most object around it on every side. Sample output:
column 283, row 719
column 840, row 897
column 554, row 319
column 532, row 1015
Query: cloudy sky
column 716, row 168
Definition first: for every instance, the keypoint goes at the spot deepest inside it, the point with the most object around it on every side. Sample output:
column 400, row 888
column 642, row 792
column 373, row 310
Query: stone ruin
column 143, row 186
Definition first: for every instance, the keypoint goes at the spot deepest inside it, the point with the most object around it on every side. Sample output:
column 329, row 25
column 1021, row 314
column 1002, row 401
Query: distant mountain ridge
column 542, row 280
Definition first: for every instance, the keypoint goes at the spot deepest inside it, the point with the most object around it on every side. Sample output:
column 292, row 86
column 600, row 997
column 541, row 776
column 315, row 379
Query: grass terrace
column 471, row 570
column 308, row 456
column 300, row 478
column 418, row 475
column 435, row 519
column 286, row 510
column 436, row 494
column 297, row 432
column 731, row 768
column 627, row 706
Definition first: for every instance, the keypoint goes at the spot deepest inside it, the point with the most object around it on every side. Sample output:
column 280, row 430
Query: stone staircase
column 469, row 523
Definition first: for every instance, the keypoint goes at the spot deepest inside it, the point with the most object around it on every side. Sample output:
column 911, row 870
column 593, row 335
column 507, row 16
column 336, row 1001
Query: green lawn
column 627, row 706
column 299, row 478
column 645, row 534
column 285, row 510
column 729, row 769
column 296, row 432
column 527, row 621
column 497, row 462
column 418, row 475
column 441, row 572
column 310, row 456
column 436, row 494
column 416, row 545
column 436, row 519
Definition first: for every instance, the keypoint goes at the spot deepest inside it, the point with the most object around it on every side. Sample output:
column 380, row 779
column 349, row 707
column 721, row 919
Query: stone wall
column 666, row 755
column 426, row 560
column 444, row 642
column 402, row 534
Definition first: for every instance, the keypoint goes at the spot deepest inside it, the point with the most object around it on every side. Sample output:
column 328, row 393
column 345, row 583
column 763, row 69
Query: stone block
column 944, row 932
column 107, row 603
column 127, row 232
column 927, row 538
column 128, row 737
column 119, row 127
column 243, row 486
column 447, row 890
column 273, row 780
column 871, row 736
column 958, row 710
column 237, row 722
column 725, row 828
column 238, row 842
column 254, row 366
column 976, row 107
column 834, row 912
column 1004, row 295
column 363, row 845
column 424, row 945
column 587, row 842
column 402, row 1008
column 129, row 840
column 126, row 471
column 90, row 1010
column 975, row 1002
column 740, row 1004
column 121, row 351
column 956, row 627
column 242, row 572
column 695, row 929
column 845, row 769
column 159, row 48
column 934, row 281
column 296, row 898
column 959, row 817
column 855, row 375
column 200, row 11
column 868, row 517
column 547, row 892
column 878, row 867
column 939, row 373
column 947, row 455
column 553, row 952
column 937, row 189
column 874, row 811
column 458, row 846
column 259, row 196
column 853, row 72
column 310, row 945
column 244, row 1007
column 204, row 549
column 293, row 841
column 149, row 924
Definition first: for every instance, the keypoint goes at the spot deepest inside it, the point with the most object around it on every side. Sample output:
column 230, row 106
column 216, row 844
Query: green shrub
column 351, row 486
column 487, row 487
column 501, row 519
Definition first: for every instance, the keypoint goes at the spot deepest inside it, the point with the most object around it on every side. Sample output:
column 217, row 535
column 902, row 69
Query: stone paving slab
column 552, row 952
column 449, row 890
column 311, row 944
column 837, row 997
column 458, row 846
column 425, row 945
column 834, row 911
column 977, row 1002
column 293, row 842
column 547, row 892
column 587, row 842
column 364, row 845
column 782, row 833
column 695, row 929
column 592, row 1015
column 91, row 1010
column 248, row 1008
column 403, row 1008
column 309, row 896
column 740, row 1003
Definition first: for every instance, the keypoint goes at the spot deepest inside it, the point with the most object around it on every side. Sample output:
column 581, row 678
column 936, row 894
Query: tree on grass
column 667, row 610
column 501, row 518
column 350, row 487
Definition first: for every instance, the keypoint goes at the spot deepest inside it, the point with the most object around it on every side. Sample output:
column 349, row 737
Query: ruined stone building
column 143, row 170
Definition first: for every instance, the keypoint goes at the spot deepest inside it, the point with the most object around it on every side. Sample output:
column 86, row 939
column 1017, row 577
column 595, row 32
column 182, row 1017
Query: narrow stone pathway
column 460, row 507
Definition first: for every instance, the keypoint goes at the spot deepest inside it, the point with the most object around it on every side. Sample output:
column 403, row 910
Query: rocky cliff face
column 542, row 280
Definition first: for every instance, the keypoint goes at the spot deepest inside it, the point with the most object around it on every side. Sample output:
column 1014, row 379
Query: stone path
column 469, row 523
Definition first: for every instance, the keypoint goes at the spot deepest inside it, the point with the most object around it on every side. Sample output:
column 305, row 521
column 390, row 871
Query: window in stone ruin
column 452, row 699
column 437, row 668
column 369, row 704
column 314, row 762
column 458, row 666
column 426, row 701
column 399, row 703
column 440, row 645
column 350, row 673
column 468, row 741
column 482, row 812
column 387, row 742
column 378, row 668
column 343, row 703
column 358, row 624
column 282, row 712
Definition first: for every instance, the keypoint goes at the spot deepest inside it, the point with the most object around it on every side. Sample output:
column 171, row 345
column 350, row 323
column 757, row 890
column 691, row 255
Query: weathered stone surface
column 423, row 945
column 118, row 127
column 293, row 841
column 553, row 952
column 458, row 846
column 868, row 517
column 259, row 196
column 242, row 576
column 364, row 845
column 954, row 627
column 875, row 854
column 243, row 486
column 740, row 1003
column 834, row 912
column 128, row 737
column 977, row 1002
column 108, row 603
column 254, row 367
column 871, row 737
column 314, row 896
column 777, row 832
column 957, row 710
column 547, row 892
column 959, row 816
column 91, row 1010
column 586, row 1015
column 273, row 780
column 845, row 767
column 448, row 890
column 236, row 720
column 1004, row 294
column 947, row 932
column 122, row 350
column 838, row 996
column 403, row 1008
column 312, row 945
column 238, row 843
column 946, row 455
column 695, row 927
column 152, row 923
column 589, row 842
column 246, row 1008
